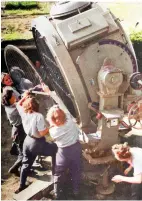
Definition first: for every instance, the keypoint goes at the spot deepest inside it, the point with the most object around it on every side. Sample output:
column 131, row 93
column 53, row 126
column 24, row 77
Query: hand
column 45, row 88
column 117, row 178
column 127, row 170
column 26, row 94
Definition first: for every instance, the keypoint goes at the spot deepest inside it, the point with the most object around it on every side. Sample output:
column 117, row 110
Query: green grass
column 129, row 12
column 21, row 5
column 43, row 8
column 16, row 28
column 136, row 36
column 17, row 36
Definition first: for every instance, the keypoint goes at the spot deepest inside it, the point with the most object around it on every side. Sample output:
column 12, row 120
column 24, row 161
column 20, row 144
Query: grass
column 16, row 35
column 21, row 4
column 43, row 8
column 17, row 28
column 129, row 12
column 136, row 36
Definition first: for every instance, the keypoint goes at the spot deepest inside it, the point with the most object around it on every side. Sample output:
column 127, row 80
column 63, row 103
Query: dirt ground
column 16, row 27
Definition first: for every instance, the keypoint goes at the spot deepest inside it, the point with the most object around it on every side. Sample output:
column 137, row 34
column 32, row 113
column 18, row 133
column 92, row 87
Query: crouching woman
column 65, row 133
column 133, row 156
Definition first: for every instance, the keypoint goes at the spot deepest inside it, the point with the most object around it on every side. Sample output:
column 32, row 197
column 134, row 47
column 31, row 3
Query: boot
column 20, row 189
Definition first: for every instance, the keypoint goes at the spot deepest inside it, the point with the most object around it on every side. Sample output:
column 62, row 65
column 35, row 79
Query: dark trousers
column 31, row 148
column 18, row 131
column 136, row 191
column 68, row 158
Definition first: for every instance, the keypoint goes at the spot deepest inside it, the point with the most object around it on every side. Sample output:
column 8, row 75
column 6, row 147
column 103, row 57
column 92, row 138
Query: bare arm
column 133, row 180
column 25, row 96
column 44, row 132
column 128, row 170
column 46, row 89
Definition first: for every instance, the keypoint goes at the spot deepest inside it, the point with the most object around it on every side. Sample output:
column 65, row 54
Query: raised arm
column 25, row 96
column 46, row 89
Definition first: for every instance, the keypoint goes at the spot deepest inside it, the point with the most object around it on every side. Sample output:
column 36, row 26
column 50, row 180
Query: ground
column 18, row 27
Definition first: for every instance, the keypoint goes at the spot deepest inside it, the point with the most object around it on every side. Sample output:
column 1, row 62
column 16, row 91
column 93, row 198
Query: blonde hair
column 56, row 114
column 30, row 105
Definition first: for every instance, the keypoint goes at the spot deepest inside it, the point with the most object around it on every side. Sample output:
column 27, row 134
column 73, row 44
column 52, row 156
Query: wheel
column 135, row 116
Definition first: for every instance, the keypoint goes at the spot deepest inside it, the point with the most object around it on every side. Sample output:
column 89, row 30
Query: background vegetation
column 136, row 37
column 26, row 8
column 21, row 5
column 130, row 15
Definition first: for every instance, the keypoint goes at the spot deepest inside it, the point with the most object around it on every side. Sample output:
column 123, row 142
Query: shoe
column 20, row 189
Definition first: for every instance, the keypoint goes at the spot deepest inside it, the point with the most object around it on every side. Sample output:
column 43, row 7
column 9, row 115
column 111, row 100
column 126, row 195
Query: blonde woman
column 64, row 131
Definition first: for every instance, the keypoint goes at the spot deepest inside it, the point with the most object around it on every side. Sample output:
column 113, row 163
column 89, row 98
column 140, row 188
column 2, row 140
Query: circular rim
column 13, row 48
column 66, row 8
column 133, row 81
column 134, row 109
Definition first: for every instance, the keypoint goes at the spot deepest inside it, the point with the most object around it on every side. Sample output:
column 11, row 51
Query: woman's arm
column 46, row 89
column 128, row 170
column 41, row 125
column 133, row 180
column 44, row 132
column 25, row 95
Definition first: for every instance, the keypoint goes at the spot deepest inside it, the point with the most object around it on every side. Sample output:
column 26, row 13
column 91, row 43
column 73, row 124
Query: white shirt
column 13, row 115
column 136, row 160
column 32, row 122
column 65, row 135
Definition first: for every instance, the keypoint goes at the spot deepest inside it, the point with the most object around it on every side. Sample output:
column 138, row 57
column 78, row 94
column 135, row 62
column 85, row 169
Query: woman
column 35, row 143
column 7, row 83
column 16, row 80
column 65, row 133
column 18, row 134
column 133, row 156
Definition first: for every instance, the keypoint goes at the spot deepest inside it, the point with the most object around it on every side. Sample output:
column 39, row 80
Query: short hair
column 7, row 94
column 31, row 105
column 2, row 76
column 56, row 113
column 122, row 150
